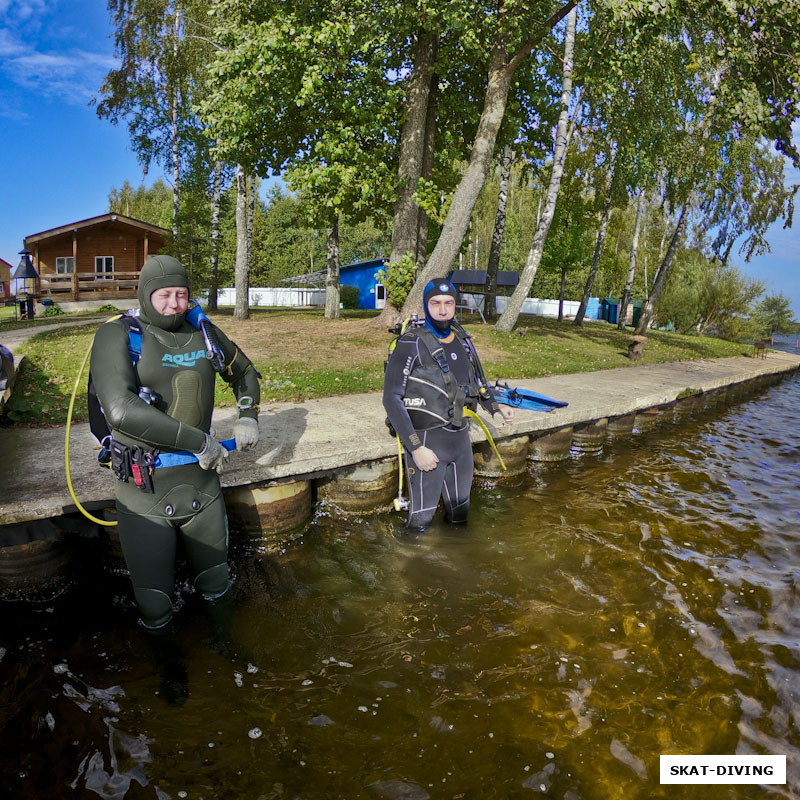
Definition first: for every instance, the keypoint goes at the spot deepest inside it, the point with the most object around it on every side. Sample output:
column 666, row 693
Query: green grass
column 550, row 347
column 300, row 356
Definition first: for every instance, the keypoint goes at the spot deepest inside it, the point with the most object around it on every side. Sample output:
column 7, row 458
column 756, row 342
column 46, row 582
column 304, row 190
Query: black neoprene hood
column 160, row 272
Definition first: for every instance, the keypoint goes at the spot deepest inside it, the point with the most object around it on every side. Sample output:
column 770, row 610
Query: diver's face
column 442, row 307
column 170, row 300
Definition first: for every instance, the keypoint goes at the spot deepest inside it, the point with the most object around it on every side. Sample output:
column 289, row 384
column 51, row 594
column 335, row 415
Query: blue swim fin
column 525, row 399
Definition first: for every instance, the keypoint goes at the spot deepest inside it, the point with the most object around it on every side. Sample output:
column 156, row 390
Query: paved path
column 14, row 338
column 327, row 434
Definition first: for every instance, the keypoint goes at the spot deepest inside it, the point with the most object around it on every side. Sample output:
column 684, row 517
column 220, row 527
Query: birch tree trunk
column 600, row 241
column 332, row 277
column 242, row 270
column 661, row 275
column 561, row 294
column 509, row 317
column 626, row 294
column 493, row 267
column 251, row 211
column 174, row 104
column 216, row 197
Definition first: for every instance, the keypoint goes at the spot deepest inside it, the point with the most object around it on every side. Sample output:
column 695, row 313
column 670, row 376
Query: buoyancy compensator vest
column 195, row 316
column 433, row 397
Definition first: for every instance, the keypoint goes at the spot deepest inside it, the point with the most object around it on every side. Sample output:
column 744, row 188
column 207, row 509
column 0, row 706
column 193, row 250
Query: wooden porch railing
column 119, row 285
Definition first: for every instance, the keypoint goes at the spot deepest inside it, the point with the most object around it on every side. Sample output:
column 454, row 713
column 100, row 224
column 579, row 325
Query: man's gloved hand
column 245, row 431
column 213, row 455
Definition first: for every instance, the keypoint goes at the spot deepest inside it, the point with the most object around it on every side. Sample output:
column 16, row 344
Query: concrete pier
column 308, row 442
column 590, row 436
column 514, row 452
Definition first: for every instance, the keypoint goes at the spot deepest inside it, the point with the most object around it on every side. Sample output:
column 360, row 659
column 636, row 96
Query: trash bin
column 638, row 306
column 610, row 309
column 26, row 307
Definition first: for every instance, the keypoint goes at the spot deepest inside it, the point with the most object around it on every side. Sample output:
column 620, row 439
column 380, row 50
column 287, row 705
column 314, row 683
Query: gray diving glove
column 213, row 455
column 245, row 431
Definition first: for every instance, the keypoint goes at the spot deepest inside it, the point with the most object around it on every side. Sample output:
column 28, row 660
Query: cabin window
column 65, row 265
column 104, row 267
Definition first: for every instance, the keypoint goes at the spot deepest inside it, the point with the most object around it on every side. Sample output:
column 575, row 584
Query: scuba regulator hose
column 400, row 503
column 66, row 445
column 468, row 412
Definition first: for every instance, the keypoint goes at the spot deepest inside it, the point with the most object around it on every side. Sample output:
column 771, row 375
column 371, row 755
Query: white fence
column 541, row 308
column 279, row 296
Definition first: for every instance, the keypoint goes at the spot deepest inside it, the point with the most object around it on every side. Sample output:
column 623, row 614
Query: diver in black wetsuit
column 432, row 374
column 159, row 407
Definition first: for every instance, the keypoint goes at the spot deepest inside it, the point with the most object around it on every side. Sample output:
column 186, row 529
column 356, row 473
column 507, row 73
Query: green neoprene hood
column 159, row 272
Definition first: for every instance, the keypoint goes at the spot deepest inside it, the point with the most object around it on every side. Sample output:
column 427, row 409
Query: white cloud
column 73, row 76
column 10, row 45
column 18, row 12
column 12, row 113
column 34, row 60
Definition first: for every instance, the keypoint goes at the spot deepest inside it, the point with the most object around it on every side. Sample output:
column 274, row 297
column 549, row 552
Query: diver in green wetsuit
column 164, row 404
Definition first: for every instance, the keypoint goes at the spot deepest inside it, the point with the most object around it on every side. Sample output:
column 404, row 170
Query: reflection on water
column 590, row 617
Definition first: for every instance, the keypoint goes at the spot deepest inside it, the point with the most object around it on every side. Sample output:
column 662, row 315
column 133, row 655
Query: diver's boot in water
column 171, row 663
column 458, row 515
column 220, row 622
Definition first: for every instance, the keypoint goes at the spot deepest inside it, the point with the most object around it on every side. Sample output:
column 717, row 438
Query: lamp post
column 25, row 272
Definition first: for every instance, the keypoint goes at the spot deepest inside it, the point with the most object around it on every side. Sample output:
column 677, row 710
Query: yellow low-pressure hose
column 399, row 499
column 400, row 463
column 470, row 413
column 66, row 442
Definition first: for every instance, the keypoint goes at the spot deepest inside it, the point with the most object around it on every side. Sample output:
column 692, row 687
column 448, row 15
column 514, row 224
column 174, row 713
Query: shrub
column 398, row 278
column 348, row 295
column 53, row 310
column 107, row 308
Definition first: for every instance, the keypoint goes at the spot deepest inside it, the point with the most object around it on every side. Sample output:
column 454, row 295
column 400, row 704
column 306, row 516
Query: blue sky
column 59, row 161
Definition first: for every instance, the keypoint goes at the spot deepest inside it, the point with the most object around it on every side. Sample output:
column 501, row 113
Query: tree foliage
column 151, row 204
column 774, row 315
column 688, row 100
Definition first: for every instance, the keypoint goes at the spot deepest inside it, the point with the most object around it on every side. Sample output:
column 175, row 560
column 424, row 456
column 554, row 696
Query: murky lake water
column 591, row 616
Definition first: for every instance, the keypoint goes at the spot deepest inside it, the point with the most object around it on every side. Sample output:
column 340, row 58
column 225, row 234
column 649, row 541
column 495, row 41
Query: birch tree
column 216, row 199
column 600, row 239
column 490, row 303
column 332, row 277
column 628, row 290
column 152, row 88
column 563, row 133
column 241, row 310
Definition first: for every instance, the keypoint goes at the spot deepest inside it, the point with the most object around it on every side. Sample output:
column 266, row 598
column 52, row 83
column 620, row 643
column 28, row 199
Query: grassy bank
column 301, row 355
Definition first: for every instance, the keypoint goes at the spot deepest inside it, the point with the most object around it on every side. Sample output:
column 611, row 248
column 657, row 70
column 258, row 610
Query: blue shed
column 363, row 275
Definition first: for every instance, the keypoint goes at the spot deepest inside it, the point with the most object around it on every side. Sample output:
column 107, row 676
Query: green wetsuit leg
column 148, row 545
column 188, row 503
column 205, row 539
